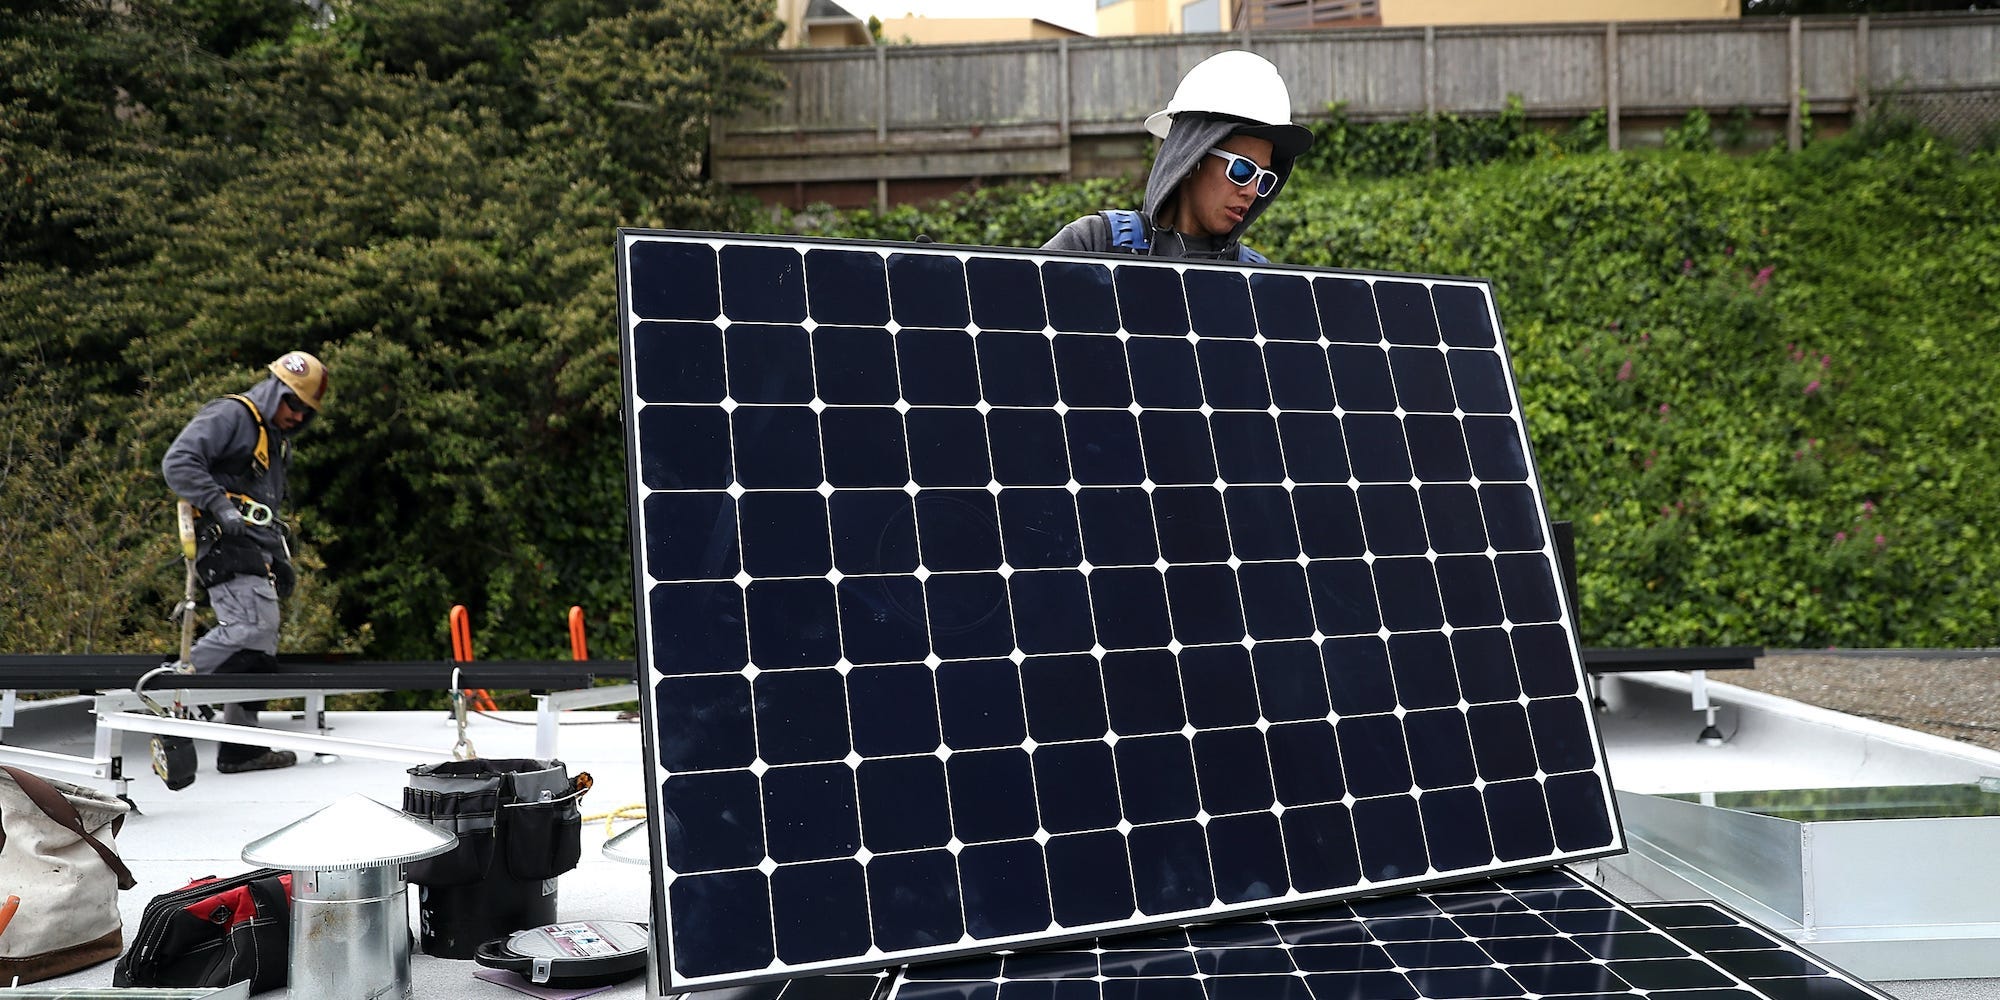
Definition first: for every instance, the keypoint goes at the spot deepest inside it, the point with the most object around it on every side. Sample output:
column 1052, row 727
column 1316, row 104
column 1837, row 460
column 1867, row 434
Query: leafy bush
column 1425, row 142
column 424, row 199
column 1757, row 386
column 1695, row 134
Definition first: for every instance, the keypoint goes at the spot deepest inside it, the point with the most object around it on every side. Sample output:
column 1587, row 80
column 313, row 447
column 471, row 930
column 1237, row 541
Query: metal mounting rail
column 73, row 672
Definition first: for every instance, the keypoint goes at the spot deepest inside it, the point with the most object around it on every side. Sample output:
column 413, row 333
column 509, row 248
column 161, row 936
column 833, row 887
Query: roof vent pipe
column 350, row 913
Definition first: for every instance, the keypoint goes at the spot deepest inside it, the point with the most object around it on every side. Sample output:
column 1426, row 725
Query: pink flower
column 1687, row 265
column 1839, row 537
column 1663, row 411
column 1868, row 506
column 1812, row 387
column 1880, row 541
column 1825, row 361
column 1729, row 251
column 1625, row 371
column 1645, row 338
column 1763, row 278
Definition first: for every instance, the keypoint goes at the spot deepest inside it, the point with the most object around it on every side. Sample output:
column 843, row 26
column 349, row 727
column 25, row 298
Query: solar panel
column 1766, row 960
column 1540, row 934
column 991, row 598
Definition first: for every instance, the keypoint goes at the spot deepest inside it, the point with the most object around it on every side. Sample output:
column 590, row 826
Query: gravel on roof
column 1949, row 693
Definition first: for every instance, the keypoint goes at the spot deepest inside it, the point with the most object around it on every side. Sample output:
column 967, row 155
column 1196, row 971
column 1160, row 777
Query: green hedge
column 1740, row 373
column 1759, row 388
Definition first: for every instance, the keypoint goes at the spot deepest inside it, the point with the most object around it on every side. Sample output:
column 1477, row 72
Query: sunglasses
column 1242, row 170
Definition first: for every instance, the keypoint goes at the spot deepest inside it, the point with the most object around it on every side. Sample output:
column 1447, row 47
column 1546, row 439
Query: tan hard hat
column 304, row 374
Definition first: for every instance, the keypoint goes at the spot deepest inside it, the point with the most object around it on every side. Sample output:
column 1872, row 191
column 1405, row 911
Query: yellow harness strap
column 255, row 511
column 263, row 438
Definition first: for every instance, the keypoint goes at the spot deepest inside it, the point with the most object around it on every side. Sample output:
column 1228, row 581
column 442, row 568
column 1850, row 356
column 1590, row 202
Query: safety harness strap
column 263, row 437
column 1128, row 233
column 255, row 511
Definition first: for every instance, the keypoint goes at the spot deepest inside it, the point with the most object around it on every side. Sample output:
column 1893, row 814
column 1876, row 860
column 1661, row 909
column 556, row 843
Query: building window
column 1201, row 15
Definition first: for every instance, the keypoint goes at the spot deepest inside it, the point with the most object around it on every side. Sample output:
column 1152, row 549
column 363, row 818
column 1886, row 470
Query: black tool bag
column 214, row 932
column 520, row 813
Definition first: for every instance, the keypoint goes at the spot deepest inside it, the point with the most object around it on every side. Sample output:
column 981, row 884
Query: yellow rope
column 636, row 810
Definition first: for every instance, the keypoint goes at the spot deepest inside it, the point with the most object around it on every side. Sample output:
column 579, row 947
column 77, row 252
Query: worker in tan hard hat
column 1226, row 150
column 229, row 463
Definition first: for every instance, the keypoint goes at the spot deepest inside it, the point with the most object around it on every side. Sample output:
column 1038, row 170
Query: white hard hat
column 1238, row 84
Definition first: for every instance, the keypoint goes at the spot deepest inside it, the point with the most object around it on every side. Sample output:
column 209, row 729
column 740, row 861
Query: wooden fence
column 855, row 121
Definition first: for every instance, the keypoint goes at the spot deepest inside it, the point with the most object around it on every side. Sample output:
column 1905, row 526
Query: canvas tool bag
column 58, row 854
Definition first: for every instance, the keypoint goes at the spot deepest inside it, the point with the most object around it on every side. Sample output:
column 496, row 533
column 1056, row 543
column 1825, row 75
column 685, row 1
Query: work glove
column 229, row 520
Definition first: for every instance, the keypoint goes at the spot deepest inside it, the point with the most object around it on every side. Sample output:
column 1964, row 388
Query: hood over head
column 1187, row 142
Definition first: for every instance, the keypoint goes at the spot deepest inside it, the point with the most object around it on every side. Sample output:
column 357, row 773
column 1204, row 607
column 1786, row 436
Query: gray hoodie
column 213, row 456
column 1192, row 135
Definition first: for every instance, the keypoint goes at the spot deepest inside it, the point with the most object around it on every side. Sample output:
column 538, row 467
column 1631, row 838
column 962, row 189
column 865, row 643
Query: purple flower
column 1812, row 387
column 1625, row 371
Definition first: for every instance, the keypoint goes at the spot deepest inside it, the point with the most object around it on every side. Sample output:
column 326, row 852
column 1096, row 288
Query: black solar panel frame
column 627, row 237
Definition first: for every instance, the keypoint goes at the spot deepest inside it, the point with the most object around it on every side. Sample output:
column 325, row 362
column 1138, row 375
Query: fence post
column 1794, row 125
column 1062, row 111
column 1861, row 94
column 1611, row 85
column 881, row 127
column 1430, row 91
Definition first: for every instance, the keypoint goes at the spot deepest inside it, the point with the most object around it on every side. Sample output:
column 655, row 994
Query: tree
column 427, row 200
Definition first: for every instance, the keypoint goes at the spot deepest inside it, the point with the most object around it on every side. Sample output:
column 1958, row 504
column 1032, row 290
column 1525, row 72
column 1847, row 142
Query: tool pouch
column 174, row 761
column 213, row 932
column 521, row 813
column 228, row 557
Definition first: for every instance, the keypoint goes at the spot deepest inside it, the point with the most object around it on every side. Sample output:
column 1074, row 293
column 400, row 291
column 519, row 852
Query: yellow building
column 953, row 30
column 1158, row 17
column 819, row 23
column 1162, row 17
column 823, row 23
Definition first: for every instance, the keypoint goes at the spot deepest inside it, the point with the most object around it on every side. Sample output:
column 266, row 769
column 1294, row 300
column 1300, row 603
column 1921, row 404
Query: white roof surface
column 1648, row 725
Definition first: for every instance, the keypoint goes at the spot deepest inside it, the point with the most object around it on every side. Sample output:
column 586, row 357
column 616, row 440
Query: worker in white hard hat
column 229, row 464
column 1227, row 146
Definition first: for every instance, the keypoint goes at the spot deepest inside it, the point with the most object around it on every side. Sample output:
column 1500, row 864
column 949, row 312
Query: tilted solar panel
column 1538, row 934
column 992, row 597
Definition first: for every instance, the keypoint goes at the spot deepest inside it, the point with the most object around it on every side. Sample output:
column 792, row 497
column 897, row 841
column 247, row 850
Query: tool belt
column 231, row 556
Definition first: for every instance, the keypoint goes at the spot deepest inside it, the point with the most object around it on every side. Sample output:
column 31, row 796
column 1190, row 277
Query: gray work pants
column 246, row 617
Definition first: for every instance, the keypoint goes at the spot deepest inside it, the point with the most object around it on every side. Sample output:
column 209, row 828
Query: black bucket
column 518, row 825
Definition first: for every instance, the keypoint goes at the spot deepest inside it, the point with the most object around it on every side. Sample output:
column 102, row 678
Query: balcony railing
column 1286, row 15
